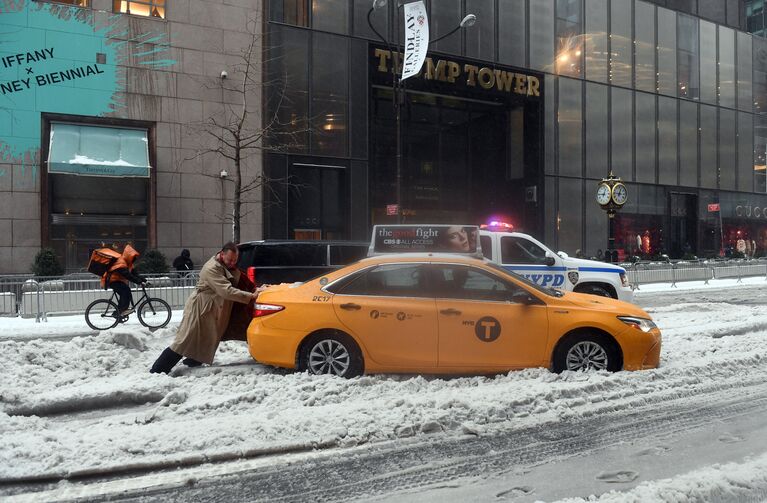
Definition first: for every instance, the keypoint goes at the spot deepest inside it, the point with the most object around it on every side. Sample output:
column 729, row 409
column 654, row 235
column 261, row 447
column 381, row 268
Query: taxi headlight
column 624, row 280
column 642, row 324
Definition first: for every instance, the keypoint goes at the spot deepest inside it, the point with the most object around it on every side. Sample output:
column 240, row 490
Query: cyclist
column 118, row 276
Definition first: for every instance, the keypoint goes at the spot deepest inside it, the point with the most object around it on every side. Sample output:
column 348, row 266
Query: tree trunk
column 237, row 199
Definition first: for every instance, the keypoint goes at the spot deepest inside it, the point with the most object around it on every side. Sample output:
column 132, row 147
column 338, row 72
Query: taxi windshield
column 553, row 292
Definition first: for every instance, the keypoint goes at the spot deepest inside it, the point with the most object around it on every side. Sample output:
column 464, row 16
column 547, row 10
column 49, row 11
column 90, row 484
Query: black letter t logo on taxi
column 487, row 329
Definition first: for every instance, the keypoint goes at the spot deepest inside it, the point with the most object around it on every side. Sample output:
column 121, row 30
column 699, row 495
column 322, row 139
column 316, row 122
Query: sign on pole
column 416, row 38
column 713, row 207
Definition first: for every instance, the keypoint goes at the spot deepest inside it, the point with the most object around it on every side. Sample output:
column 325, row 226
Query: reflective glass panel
column 570, row 127
column 445, row 15
column 569, row 56
column 621, row 43
column 708, row 62
column 687, row 57
column 667, row 134
column 688, row 144
column 511, row 39
column 760, row 74
column 595, row 40
column 330, row 15
column 760, row 154
column 667, row 83
column 745, row 152
column 708, row 150
column 745, row 95
column 480, row 38
column 644, row 46
column 645, row 137
column 596, row 130
column 570, row 215
column 727, row 149
column 622, row 133
column 726, row 67
column 542, row 35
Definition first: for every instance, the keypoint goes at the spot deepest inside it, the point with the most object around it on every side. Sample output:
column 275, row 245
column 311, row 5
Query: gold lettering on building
column 450, row 71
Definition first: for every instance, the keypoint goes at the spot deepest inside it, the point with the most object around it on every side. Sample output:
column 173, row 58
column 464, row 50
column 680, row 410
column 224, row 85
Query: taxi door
column 391, row 310
column 479, row 326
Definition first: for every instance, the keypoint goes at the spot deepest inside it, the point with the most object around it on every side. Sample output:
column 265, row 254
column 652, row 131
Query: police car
column 528, row 257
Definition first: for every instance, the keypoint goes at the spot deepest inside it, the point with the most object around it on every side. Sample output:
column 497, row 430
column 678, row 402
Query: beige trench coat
column 207, row 311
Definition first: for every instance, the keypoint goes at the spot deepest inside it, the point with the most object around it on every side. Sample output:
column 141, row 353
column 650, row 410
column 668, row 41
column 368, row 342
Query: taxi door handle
column 351, row 307
column 450, row 311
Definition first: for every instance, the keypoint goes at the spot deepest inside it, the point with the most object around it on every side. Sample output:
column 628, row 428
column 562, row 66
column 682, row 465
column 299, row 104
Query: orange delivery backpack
column 101, row 260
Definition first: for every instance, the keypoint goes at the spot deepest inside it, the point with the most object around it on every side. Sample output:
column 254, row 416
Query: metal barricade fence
column 640, row 273
column 41, row 296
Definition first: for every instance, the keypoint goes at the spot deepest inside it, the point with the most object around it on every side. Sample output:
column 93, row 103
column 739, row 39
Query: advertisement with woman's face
column 425, row 238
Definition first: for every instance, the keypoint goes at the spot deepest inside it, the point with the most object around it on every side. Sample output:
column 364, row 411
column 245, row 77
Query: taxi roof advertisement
column 425, row 238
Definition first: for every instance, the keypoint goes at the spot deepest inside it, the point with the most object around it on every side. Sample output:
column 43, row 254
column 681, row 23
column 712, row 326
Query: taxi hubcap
column 329, row 357
column 587, row 355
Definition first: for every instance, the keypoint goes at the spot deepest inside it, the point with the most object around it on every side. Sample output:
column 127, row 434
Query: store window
column 148, row 8
column 569, row 57
column 687, row 57
column 98, row 182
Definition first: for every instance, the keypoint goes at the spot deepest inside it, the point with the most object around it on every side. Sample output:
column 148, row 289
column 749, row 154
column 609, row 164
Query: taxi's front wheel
column 587, row 351
column 332, row 353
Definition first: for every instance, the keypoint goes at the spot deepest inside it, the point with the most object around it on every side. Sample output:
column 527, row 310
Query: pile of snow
column 89, row 404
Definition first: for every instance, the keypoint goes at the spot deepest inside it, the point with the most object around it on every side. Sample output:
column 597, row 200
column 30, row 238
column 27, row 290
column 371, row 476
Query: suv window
column 487, row 246
column 290, row 255
column 346, row 254
column 516, row 250
column 391, row 280
column 462, row 282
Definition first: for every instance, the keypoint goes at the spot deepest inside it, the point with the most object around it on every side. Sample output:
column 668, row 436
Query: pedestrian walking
column 206, row 312
column 183, row 262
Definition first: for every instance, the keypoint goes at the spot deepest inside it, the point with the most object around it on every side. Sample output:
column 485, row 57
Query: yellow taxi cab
column 441, row 313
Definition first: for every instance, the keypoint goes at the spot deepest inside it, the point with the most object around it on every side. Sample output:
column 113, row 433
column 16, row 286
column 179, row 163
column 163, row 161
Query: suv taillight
column 260, row 310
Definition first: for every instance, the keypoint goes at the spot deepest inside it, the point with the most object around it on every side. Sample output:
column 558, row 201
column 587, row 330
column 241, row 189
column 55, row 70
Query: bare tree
column 241, row 132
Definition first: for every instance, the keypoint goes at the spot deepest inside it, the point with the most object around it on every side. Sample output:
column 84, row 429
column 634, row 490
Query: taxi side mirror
column 522, row 297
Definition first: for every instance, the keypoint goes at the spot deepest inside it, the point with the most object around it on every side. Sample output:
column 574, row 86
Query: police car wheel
column 333, row 353
column 586, row 352
column 596, row 290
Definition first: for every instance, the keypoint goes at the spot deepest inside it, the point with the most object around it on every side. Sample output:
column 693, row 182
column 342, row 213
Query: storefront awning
column 98, row 151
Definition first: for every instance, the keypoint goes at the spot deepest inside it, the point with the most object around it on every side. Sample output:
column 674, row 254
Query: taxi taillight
column 260, row 310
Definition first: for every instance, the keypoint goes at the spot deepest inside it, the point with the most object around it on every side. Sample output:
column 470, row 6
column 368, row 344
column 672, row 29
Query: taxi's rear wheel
column 587, row 351
column 332, row 353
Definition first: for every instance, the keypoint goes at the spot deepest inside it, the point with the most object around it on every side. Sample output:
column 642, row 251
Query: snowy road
column 86, row 407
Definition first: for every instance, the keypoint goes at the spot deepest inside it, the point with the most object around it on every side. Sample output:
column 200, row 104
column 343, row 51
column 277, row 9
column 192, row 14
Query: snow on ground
column 89, row 403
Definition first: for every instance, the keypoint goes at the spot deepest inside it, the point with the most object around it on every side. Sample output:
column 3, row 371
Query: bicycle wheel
column 154, row 313
column 100, row 315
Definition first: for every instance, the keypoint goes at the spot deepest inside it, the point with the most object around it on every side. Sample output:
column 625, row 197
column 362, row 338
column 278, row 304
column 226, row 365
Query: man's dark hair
column 230, row 246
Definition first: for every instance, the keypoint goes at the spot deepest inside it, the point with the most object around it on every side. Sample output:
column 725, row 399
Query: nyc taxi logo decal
column 487, row 329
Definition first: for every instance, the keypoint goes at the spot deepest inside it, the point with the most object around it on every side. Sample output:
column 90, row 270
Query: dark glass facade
column 666, row 94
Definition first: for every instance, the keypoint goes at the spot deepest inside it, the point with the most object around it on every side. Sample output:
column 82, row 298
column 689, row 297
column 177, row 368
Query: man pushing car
column 206, row 312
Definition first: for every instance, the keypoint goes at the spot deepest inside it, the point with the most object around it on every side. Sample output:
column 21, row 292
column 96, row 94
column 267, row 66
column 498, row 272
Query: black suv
column 289, row 261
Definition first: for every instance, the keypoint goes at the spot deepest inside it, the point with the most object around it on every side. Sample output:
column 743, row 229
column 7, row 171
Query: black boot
column 165, row 363
column 191, row 362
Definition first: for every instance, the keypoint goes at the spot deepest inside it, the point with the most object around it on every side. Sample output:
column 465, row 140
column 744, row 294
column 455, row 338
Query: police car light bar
column 497, row 225
column 429, row 238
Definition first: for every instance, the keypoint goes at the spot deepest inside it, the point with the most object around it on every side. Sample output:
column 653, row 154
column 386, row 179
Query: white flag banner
column 416, row 38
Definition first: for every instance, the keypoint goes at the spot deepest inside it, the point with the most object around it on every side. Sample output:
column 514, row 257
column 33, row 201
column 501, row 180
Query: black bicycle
column 152, row 312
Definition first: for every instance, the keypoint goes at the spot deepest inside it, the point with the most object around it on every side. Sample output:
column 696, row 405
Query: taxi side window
column 461, row 282
column 391, row 280
column 520, row 251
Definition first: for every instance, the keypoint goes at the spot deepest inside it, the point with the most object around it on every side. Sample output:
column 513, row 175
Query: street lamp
column 398, row 85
